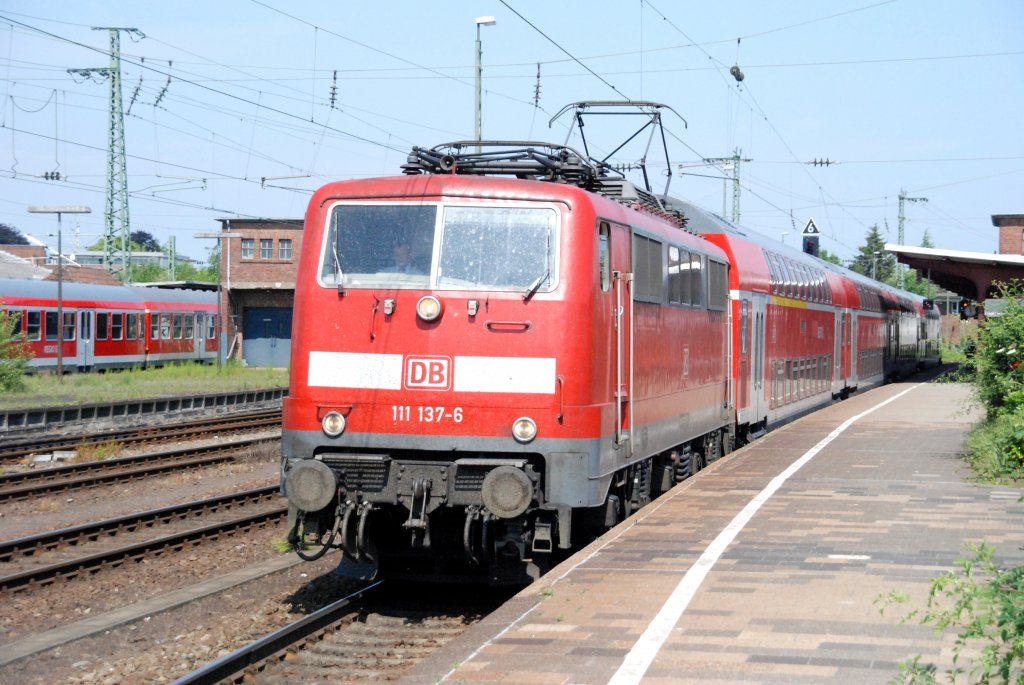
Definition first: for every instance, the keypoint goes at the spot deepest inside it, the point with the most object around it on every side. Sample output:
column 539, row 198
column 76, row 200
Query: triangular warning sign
column 811, row 228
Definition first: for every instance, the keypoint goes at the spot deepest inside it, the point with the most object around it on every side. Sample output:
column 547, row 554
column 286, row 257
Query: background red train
column 109, row 326
column 500, row 353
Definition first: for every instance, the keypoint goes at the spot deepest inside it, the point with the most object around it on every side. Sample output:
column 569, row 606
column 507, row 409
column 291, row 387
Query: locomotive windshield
column 438, row 246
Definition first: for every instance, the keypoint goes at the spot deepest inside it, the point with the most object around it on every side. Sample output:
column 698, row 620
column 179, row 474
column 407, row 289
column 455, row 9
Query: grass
column 43, row 390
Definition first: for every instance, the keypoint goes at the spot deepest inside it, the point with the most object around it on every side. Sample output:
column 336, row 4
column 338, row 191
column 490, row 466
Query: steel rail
column 264, row 649
column 30, row 545
column 21, row 485
column 13, row 450
column 88, row 563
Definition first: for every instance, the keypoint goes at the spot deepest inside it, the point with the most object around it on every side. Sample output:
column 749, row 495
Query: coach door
column 621, row 277
column 85, row 346
column 854, row 370
column 759, row 403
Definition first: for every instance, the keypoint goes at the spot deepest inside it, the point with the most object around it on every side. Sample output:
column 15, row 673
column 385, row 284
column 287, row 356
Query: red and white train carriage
column 557, row 351
column 109, row 326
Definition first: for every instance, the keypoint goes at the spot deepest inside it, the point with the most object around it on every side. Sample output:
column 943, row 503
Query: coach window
column 33, row 326
column 189, row 324
column 165, row 326
column 102, row 325
column 772, row 277
column 117, row 326
column 604, row 260
column 154, row 326
column 131, row 326
column 718, row 286
column 211, row 327
column 69, row 325
column 266, row 248
column 744, row 323
column 177, row 326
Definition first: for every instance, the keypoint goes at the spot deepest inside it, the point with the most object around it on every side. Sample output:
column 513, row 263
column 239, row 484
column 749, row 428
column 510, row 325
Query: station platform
column 767, row 566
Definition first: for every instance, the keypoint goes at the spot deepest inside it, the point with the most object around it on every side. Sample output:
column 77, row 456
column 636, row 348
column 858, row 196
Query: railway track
column 87, row 548
column 15, row 486
column 15, row 449
column 369, row 636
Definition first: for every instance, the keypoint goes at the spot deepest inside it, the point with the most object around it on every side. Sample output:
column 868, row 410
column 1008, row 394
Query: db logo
column 428, row 373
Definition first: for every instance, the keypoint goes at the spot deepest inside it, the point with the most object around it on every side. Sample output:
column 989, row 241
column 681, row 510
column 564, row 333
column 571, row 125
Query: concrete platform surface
column 766, row 567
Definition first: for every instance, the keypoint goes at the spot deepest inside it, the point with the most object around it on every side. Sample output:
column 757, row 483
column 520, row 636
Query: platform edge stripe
column 640, row 657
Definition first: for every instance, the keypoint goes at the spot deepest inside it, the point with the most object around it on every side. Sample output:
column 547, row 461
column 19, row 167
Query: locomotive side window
column 647, row 277
column 604, row 256
column 677, row 276
column 696, row 280
column 500, row 248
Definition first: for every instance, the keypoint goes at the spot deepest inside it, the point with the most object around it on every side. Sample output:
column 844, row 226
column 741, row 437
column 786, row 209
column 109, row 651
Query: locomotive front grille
column 470, row 473
column 365, row 472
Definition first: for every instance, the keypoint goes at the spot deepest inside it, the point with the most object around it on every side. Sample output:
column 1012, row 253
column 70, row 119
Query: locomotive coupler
column 418, row 522
column 471, row 531
column 355, row 529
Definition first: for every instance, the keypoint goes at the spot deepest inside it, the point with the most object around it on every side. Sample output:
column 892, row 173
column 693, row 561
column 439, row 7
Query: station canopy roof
column 968, row 274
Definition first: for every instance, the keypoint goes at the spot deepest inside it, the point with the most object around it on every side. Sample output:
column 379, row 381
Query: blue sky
column 233, row 116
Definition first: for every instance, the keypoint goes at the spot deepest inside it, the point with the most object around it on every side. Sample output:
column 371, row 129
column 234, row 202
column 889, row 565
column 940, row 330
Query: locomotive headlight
column 333, row 424
column 429, row 308
column 524, row 429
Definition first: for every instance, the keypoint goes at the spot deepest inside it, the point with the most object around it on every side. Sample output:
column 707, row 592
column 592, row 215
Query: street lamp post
column 58, row 210
column 480, row 21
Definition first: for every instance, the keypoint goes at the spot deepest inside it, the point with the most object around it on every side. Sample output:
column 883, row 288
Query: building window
column 266, row 248
column 248, row 248
column 284, row 249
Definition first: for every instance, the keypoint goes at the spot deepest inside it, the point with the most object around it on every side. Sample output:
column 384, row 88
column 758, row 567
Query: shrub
column 14, row 355
column 999, row 360
column 985, row 604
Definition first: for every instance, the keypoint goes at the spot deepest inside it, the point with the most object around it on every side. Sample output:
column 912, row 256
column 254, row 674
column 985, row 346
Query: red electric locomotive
column 482, row 365
column 108, row 326
column 505, row 350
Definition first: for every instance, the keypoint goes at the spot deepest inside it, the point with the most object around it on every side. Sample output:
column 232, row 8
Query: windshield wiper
column 339, row 275
column 536, row 285
column 533, row 287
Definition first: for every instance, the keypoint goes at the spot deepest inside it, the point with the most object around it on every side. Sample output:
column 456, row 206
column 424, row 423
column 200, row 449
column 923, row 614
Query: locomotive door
column 622, row 330
column 759, row 402
column 85, row 348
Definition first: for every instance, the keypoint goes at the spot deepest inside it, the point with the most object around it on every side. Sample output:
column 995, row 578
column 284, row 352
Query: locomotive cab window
column 476, row 247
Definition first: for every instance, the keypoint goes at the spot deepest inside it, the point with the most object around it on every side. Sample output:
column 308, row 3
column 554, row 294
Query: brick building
column 258, row 270
column 1011, row 233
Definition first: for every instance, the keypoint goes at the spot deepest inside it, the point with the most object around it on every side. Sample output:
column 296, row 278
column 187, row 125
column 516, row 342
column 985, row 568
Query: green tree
column 141, row 240
column 926, row 239
column 829, row 257
column 14, row 354
column 9, row 235
column 872, row 260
